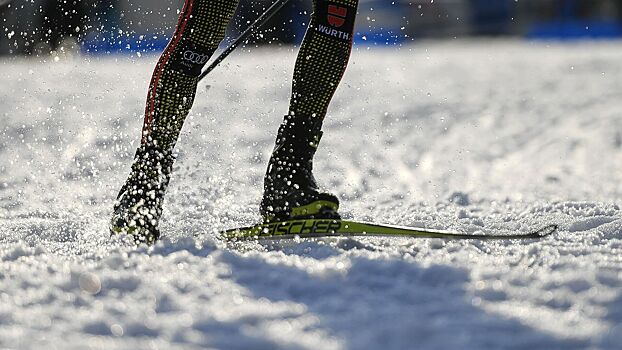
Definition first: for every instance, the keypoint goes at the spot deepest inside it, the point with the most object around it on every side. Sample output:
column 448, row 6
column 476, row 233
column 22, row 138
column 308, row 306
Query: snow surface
column 474, row 136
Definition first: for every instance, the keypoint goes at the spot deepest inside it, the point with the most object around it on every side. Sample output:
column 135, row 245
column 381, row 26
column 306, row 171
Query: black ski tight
column 320, row 64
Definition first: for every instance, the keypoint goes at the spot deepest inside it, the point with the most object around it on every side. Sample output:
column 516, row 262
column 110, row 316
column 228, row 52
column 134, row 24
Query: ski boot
column 138, row 207
column 290, row 189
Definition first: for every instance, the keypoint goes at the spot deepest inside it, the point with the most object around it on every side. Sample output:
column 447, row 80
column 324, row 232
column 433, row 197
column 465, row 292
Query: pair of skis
column 316, row 228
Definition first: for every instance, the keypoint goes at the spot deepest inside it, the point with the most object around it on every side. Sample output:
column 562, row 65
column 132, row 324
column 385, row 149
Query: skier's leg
column 289, row 187
column 322, row 59
column 200, row 29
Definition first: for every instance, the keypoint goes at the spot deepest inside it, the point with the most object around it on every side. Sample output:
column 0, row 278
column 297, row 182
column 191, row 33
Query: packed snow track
column 464, row 136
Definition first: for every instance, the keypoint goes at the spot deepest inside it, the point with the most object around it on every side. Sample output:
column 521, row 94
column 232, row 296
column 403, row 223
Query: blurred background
column 120, row 26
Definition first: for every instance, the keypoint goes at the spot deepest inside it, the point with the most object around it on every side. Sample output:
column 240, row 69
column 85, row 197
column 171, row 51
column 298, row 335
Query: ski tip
column 547, row 230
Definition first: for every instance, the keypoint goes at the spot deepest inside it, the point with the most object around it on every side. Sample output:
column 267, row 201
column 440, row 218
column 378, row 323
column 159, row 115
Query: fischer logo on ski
column 299, row 227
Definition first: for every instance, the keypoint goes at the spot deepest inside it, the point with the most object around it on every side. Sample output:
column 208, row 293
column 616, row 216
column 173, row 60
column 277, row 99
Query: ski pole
column 252, row 29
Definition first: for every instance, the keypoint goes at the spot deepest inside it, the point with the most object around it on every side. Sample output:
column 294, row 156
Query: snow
column 476, row 136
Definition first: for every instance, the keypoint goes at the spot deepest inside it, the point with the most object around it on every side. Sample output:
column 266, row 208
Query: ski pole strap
column 252, row 29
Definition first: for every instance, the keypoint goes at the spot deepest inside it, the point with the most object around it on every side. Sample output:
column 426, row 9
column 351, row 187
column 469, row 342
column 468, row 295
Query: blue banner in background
column 100, row 44
column 122, row 26
column 575, row 29
column 580, row 20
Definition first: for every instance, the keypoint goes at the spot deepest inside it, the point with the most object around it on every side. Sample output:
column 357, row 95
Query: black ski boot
column 290, row 190
column 138, row 207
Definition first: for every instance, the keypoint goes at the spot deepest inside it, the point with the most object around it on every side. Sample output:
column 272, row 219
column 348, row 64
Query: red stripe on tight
column 157, row 73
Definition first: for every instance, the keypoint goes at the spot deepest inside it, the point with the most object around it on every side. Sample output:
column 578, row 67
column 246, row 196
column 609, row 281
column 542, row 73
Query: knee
column 326, row 3
column 189, row 58
column 335, row 15
column 200, row 29
column 335, row 18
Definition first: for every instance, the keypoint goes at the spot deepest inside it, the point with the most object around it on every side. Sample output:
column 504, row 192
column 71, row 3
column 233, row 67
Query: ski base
column 314, row 228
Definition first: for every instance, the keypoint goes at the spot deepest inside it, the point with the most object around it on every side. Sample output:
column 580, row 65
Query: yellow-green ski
column 306, row 228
